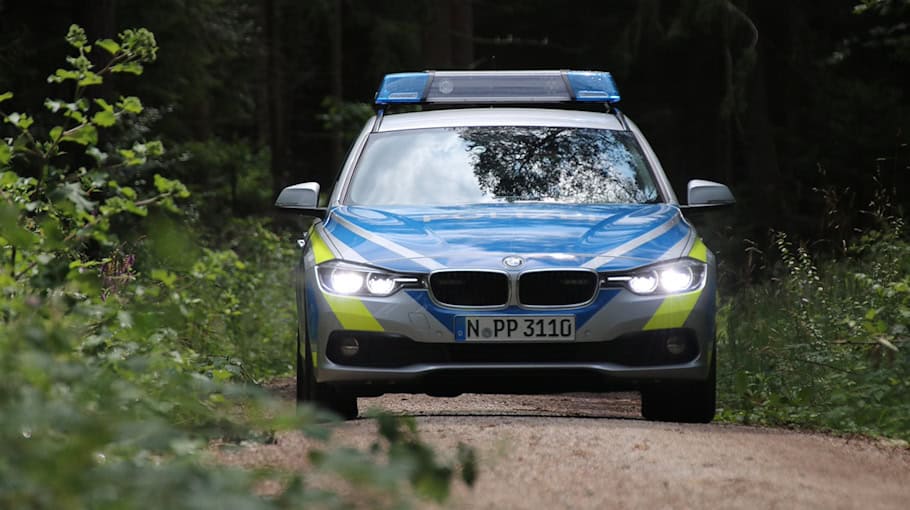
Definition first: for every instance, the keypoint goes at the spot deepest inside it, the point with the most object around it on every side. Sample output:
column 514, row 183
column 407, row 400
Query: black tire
column 324, row 396
column 683, row 401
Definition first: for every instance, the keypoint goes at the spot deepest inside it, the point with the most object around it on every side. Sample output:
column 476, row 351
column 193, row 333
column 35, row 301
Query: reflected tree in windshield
column 559, row 164
column 451, row 166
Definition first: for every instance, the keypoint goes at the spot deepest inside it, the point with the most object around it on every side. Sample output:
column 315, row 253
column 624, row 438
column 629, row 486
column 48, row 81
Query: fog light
column 349, row 346
column 676, row 345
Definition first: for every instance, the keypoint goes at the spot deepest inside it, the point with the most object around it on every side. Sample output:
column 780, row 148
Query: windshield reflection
column 451, row 166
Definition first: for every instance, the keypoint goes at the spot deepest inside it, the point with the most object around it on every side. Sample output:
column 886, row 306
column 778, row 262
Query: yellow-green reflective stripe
column 674, row 310
column 352, row 313
column 699, row 251
column 320, row 250
column 313, row 354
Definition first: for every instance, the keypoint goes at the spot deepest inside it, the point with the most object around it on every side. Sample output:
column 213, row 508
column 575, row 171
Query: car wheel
column 323, row 395
column 686, row 402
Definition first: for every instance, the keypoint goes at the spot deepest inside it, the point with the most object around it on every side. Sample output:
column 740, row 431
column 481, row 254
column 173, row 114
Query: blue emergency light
column 480, row 87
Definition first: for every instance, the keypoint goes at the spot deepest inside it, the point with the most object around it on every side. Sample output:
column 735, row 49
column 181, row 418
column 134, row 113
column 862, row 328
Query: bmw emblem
column 513, row 261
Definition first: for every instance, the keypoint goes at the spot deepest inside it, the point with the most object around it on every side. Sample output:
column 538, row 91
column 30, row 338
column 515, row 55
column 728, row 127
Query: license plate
column 503, row 328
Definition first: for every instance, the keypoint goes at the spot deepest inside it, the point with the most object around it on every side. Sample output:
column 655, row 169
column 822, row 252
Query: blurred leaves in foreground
column 130, row 339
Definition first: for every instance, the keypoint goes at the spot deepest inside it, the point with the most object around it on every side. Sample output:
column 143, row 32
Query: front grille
column 556, row 288
column 470, row 288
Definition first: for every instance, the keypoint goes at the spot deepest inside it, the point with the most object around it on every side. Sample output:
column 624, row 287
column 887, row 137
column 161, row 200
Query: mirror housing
column 703, row 194
column 303, row 197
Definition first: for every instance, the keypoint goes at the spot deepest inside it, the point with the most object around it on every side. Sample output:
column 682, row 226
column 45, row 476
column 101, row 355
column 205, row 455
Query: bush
column 126, row 336
column 823, row 344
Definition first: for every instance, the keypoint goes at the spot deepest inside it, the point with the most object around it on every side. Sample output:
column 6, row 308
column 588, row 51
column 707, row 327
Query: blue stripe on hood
column 479, row 236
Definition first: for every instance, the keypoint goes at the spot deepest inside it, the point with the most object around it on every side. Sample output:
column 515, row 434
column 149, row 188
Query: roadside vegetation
column 822, row 342
column 145, row 292
column 131, row 335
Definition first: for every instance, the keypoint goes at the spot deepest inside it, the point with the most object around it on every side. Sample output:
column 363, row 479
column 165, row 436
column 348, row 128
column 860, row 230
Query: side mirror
column 303, row 197
column 708, row 194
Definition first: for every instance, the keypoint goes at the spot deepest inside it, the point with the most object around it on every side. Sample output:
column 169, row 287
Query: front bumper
column 409, row 344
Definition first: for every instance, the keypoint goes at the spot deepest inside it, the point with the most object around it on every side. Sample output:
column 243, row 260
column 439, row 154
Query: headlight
column 355, row 280
column 344, row 281
column 683, row 275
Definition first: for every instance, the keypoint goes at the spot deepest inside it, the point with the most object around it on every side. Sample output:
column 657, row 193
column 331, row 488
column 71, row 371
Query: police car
column 505, row 232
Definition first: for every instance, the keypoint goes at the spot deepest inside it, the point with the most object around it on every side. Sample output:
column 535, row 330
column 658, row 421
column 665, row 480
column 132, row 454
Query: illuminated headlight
column 645, row 283
column 355, row 280
column 675, row 279
column 683, row 275
column 381, row 284
column 343, row 281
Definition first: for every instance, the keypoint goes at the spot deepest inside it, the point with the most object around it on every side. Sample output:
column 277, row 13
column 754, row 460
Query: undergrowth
column 824, row 342
column 130, row 336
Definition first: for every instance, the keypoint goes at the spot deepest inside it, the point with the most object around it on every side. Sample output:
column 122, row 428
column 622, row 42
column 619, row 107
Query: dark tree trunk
column 437, row 41
column 463, row 34
column 275, row 95
column 448, row 36
column 337, row 63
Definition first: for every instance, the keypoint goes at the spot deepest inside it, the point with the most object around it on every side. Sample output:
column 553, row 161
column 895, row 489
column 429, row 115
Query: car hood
column 602, row 237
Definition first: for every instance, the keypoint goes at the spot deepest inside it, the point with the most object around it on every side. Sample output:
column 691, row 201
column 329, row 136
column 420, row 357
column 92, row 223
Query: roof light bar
column 593, row 86
column 480, row 87
column 403, row 88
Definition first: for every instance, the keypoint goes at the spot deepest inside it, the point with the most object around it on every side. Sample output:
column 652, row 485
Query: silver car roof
column 499, row 117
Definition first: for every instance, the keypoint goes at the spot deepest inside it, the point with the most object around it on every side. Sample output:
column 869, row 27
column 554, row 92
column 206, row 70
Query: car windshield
column 466, row 165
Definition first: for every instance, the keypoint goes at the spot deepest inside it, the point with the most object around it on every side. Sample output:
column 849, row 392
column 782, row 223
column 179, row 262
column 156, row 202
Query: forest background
column 146, row 274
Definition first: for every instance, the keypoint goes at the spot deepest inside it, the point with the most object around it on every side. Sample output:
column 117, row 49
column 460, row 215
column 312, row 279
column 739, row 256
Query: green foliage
column 824, row 344
column 345, row 117
column 128, row 337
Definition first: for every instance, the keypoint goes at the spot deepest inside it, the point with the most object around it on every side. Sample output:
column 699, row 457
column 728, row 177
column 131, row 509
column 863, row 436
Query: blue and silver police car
column 505, row 232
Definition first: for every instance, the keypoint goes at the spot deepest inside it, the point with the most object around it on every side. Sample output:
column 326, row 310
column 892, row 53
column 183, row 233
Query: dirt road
column 592, row 451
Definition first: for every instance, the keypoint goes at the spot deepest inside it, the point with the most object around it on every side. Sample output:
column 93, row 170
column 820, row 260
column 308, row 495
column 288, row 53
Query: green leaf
column 130, row 158
column 128, row 67
column 128, row 192
column 22, row 120
column 56, row 131
column 154, row 148
column 75, row 115
column 115, row 205
column 53, row 105
column 108, row 45
column 73, row 192
column 90, row 79
column 6, row 95
column 61, row 75
column 139, row 44
column 83, row 135
column 166, row 277
column 104, row 118
column 76, row 36
column 11, row 230
column 165, row 185
column 130, row 104
column 8, row 179
column 104, row 105
column 5, row 153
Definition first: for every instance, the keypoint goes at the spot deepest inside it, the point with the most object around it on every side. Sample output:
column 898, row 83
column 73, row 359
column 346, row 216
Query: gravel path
column 593, row 451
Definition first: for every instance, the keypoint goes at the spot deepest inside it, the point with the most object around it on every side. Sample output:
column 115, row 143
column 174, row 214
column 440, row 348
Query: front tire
column 323, row 395
column 683, row 401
